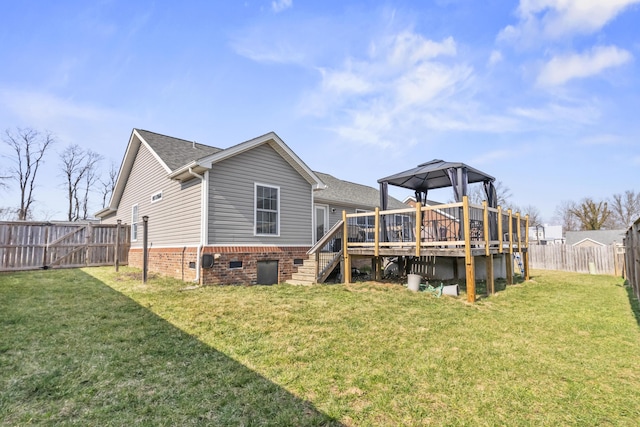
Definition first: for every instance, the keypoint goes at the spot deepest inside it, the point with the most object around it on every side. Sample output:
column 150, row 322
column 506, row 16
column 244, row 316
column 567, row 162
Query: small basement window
column 235, row 264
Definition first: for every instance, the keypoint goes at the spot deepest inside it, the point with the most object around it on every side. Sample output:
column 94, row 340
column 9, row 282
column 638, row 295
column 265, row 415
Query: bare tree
column 625, row 208
column 477, row 194
column 78, row 167
column 7, row 214
column 108, row 184
column 29, row 147
column 90, row 178
column 592, row 215
column 565, row 217
column 535, row 217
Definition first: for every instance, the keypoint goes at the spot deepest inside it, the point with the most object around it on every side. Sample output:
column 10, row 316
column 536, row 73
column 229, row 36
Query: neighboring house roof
column 605, row 237
column 351, row 194
column 411, row 201
column 182, row 158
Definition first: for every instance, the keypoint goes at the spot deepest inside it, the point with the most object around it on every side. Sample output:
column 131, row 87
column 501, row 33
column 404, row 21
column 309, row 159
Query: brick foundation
column 175, row 262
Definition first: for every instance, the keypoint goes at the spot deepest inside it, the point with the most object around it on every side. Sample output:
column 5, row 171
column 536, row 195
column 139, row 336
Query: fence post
column 145, row 227
column 526, row 247
column 88, row 239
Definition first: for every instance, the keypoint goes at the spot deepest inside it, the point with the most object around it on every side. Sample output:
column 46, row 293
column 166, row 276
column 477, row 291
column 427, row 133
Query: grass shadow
column 76, row 351
column 633, row 302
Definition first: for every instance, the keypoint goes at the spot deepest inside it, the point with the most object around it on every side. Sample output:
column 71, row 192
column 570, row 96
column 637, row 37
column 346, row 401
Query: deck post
column 376, row 232
column 468, row 257
column 519, row 236
column 500, row 233
column 345, row 249
column 418, row 227
column 485, row 218
column 519, row 231
column 490, row 275
column 510, row 255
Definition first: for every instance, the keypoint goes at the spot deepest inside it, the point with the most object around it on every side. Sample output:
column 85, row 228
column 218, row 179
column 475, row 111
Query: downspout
column 204, row 190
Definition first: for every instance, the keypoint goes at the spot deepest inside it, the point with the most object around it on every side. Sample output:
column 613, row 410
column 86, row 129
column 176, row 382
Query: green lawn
column 95, row 347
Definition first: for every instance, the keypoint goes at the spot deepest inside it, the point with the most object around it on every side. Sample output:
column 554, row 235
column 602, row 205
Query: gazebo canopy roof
column 432, row 175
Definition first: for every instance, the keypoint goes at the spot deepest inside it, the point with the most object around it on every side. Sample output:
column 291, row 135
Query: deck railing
column 327, row 252
column 452, row 230
column 441, row 226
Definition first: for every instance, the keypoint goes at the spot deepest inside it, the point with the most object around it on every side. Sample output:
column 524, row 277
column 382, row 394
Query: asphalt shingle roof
column 176, row 152
column 352, row 194
column 606, row 237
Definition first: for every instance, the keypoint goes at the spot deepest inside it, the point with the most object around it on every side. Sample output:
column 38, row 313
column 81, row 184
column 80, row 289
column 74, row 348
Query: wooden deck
column 459, row 230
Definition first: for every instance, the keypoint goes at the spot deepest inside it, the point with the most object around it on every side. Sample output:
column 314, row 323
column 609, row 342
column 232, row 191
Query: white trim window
column 134, row 223
column 267, row 210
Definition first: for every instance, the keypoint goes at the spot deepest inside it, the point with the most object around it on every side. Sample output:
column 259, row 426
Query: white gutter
column 204, row 191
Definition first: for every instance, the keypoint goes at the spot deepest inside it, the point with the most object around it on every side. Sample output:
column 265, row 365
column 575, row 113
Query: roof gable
column 271, row 139
column 175, row 152
column 181, row 159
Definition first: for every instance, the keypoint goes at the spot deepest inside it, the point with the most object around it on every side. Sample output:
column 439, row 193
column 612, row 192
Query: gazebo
column 419, row 236
column 438, row 174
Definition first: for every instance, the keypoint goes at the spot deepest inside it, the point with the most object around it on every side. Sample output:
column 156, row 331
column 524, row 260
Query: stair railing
column 327, row 251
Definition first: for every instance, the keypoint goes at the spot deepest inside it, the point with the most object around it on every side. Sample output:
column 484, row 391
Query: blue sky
column 542, row 94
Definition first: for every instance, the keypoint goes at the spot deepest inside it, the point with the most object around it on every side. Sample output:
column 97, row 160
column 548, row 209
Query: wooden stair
column 306, row 274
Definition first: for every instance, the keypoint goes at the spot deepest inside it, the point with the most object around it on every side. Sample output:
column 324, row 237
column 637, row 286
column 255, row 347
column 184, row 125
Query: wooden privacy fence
column 632, row 256
column 33, row 245
column 594, row 260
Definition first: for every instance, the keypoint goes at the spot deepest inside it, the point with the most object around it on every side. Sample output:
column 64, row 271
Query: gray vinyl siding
column 232, row 199
column 337, row 215
column 174, row 220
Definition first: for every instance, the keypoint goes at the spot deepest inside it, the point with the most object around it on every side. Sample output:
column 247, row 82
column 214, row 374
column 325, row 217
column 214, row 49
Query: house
column 339, row 195
column 244, row 214
column 546, row 235
column 590, row 238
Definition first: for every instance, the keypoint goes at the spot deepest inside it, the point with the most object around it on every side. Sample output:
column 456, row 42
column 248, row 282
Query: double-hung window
column 267, row 214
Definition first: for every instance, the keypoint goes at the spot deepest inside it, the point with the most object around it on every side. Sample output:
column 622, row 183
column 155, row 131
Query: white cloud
column 345, row 82
column 562, row 69
column 495, row 57
column 491, row 157
column 568, row 114
column 601, row 139
column 280, row 5
column 40, row 107
column 554, row 19
column 404, row 82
